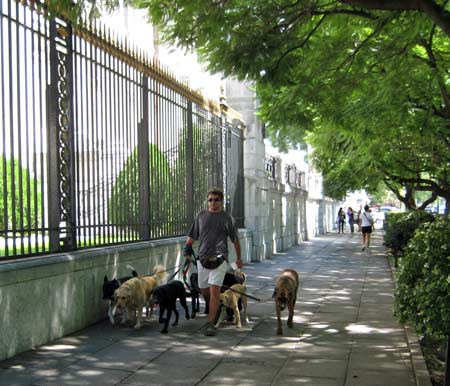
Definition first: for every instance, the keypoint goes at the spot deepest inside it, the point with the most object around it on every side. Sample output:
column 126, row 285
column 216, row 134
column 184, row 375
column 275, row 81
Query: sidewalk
column 344, row 334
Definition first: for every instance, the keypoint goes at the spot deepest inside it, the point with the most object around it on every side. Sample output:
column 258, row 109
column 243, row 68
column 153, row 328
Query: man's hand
column 239, row 263
column 187, row 250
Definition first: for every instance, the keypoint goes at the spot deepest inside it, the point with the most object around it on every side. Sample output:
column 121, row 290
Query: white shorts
column 207, row 277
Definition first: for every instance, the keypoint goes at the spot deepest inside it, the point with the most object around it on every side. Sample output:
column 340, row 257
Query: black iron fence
column 98, row 145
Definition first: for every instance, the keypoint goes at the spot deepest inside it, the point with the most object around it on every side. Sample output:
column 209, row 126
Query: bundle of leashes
column 186, row 267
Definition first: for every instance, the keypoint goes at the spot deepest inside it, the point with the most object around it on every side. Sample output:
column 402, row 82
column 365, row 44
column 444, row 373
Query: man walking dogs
column 212, row 228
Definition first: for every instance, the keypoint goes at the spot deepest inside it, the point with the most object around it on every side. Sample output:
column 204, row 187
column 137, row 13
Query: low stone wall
column 45, row 298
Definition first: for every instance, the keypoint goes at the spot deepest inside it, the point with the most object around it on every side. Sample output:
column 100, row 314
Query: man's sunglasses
column 213, row 199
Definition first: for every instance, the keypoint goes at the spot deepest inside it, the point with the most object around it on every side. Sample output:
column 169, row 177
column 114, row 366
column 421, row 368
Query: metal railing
column 269, row 166
column 98, row 145
column 294, row 177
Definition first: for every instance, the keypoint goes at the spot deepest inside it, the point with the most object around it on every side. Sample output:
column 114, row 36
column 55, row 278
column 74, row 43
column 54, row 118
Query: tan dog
column 230, row 298
column 136, row 293
column 285, row 294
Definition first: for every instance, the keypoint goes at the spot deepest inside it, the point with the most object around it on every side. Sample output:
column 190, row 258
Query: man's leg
column 214, row 301
column 206, row 295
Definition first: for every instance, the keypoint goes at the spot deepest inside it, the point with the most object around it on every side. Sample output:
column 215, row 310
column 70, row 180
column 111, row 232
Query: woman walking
column 341, row 220
column 351, row 219
column 366, row 220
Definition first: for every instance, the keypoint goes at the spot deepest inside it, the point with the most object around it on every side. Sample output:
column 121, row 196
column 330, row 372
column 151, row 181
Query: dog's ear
column 274, row 293
column 134, row 273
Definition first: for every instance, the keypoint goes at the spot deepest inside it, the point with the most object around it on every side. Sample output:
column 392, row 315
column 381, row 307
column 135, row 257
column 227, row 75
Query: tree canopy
column 365, row 81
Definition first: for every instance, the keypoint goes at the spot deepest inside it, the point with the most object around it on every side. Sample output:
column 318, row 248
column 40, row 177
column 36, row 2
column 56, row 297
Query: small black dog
column 195, row 295
column 109, row 286
column 229, row 280
column 166, row 296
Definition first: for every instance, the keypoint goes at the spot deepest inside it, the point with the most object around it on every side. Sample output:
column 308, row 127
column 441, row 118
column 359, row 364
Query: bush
column 423, row 288
column 400, row 228
column 23, row 204
column 123, row 206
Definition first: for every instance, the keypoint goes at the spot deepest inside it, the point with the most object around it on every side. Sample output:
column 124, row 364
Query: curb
column 421, row 373
column 420, row 369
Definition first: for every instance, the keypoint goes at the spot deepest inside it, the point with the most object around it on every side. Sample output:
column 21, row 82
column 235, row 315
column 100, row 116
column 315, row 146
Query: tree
column 20, row 197
column 345, row 67
column 123, row 205
column 350, row 66
column 286, row 12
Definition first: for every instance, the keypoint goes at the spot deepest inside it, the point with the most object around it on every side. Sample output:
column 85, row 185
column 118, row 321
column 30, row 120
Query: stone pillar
column 241, row 97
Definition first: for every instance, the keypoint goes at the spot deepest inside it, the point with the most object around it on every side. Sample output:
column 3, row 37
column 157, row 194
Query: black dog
column 229, row 280
column 195, row 295
column 166, row 296
column 109, row 286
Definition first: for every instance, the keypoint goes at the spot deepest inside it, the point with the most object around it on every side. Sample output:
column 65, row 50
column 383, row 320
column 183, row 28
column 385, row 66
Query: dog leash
column 242, row 293
column 185, row 266
column 167, row 270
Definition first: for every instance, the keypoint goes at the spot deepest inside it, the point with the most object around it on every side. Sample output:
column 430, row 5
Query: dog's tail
column 133, row 270
column 160, row 273
column 244, row 279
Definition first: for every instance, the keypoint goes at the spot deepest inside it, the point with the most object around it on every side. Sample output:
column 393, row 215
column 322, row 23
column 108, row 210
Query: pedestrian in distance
column 351, row 219
column 341, row 220
column 358, row 218
column 213, row 227
column 366, row 221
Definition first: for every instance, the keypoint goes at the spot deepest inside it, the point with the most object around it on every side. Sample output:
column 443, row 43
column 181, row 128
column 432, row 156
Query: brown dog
column 230, row 299
column 136, row 293
column 285, row 294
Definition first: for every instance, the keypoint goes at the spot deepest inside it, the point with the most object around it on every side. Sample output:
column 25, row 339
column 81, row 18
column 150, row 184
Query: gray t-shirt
column 212, row 230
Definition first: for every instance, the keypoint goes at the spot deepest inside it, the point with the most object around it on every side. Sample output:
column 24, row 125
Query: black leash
column 186, row 266
column 174, row 274
column 241, row 293
column 166, row 270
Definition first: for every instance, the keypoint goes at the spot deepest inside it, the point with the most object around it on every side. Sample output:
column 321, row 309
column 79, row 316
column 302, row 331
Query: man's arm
column 237, row 247
column 187, row 250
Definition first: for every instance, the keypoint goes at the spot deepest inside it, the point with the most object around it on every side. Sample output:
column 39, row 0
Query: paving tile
column 380, row 377
column 75, row 375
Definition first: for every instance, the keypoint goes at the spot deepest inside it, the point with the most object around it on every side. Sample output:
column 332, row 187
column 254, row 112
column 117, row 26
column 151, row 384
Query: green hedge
column 423, row 286
column 400, row 228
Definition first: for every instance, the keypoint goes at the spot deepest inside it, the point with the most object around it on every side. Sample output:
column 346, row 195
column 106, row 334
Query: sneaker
column 210, row 330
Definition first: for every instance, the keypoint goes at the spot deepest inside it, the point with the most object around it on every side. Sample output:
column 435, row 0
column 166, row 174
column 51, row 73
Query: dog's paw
column 290, row 324
column 193, row 316
column 162, row 320
column 279, row 332
column 164, row 331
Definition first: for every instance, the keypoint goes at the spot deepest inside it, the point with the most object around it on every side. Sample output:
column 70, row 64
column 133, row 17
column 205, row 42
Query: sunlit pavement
column 344, row 334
